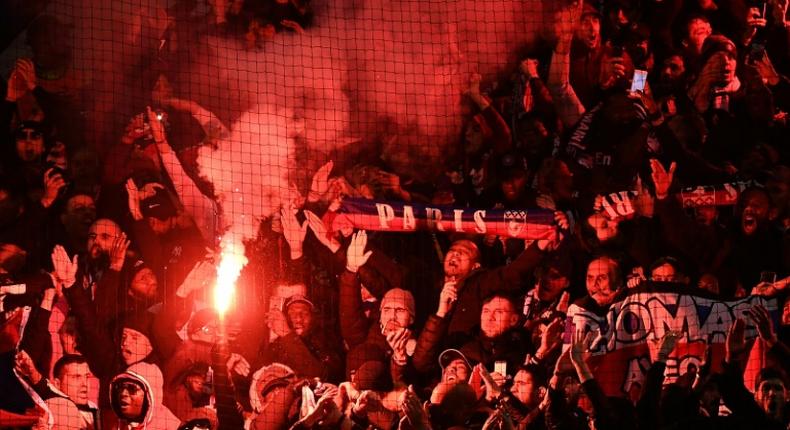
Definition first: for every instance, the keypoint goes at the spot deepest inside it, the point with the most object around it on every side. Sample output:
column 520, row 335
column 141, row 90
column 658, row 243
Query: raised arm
column 202, row 208
column 353, row 323
column 569, row 107
column 100, row 352
column 510, row 277
column 434, row 331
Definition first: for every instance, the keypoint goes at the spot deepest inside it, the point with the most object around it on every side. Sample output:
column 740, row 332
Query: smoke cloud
column 379, row 78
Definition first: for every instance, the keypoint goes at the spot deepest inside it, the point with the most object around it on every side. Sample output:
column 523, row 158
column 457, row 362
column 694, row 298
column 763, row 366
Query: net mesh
column 269, row 214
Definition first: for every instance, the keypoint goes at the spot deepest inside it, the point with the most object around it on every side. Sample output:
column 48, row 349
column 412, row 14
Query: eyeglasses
column 131, row 387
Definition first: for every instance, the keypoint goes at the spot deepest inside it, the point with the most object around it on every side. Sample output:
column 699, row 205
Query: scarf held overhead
column 405, row 217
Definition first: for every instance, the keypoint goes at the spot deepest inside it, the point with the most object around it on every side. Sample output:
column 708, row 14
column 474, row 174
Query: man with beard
column 100, row 273
column 603, row 282
column 752, row 246
column 462, row 268
column 76, row 219
column 455, row 370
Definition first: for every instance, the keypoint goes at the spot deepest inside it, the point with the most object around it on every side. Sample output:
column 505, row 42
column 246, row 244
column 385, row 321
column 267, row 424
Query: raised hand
column 643, row 202
column 763, row 323
column 553, row 242
column 662, row 178
column 397, row 340
column 117, row 252
column 23, row 364
column 565, row 25
column 580, row 345
column 197, row 278
column 133, row 199
column 320, row 231
column 134, row 130
column 735, row 347
column 580, row 352
column 356, row 256
column 157, row 128
column 613, row 70
column 550, row 339
column 447, row 298
column 65, row 268
column 293, row 232
column 493, row 382
column 17, row 87
column 661, row 348
column 238, row 365
column 26, row 71
column 414, row 411
column 319, row 186
column 53, row 183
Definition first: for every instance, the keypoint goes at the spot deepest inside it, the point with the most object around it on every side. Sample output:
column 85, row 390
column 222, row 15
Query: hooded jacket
column 157, row 416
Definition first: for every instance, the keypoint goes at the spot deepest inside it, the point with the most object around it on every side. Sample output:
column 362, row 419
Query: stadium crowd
column 116, row 247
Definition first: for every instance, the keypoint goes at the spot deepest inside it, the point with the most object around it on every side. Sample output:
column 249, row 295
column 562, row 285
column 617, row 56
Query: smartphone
column 639, row 81
column 500, row 367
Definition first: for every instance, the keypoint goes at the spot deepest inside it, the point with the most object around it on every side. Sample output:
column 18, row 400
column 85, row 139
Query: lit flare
column 231, row 263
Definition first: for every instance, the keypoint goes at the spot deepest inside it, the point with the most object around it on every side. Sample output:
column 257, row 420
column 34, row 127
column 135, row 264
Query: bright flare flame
column 233, row 260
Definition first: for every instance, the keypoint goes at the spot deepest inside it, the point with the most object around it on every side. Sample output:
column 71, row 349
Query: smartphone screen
column 500, row 367
column 640, row 78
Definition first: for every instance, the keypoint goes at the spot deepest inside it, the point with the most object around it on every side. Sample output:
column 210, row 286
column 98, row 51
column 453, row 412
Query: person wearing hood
column 104, row 356
column 136, row 400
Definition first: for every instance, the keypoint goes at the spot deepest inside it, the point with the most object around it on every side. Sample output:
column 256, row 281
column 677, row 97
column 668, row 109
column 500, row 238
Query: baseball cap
column 159, row 206
column 511, row 165
column 297, row 298
column 449, row 355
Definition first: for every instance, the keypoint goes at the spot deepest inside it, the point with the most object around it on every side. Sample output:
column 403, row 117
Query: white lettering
column 480, row 222
column 459, row 222
column 434, row 218
column 408, row 218
column 386, row 214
